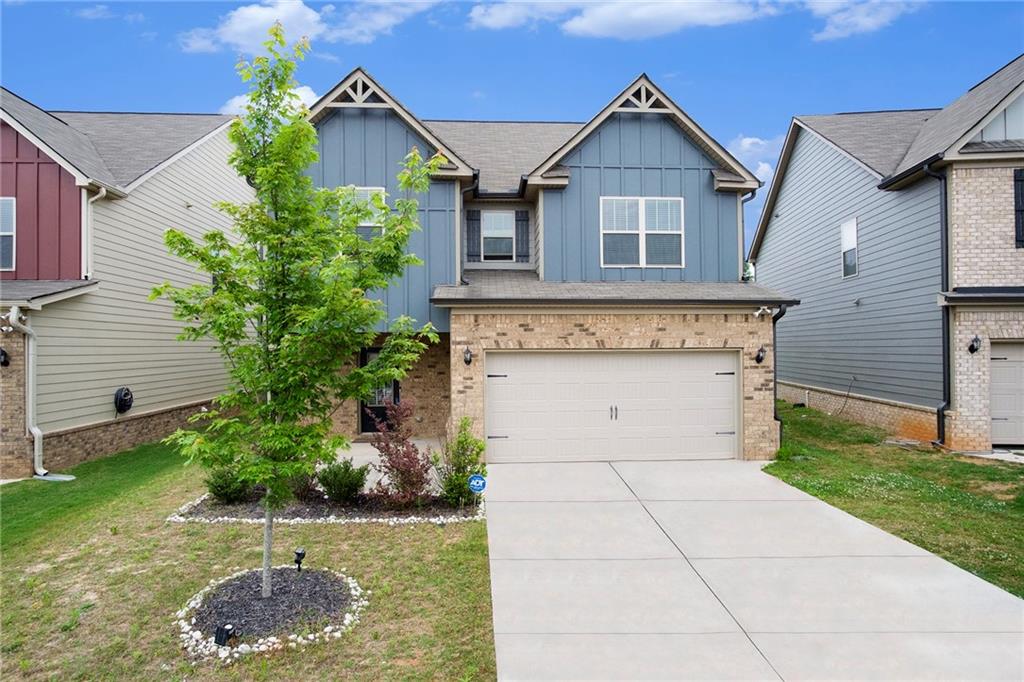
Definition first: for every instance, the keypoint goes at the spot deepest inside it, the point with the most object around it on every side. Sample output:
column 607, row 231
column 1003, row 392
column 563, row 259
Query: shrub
column 459, row 459
column 342, row 481
column 303, row 486
column 226, row 487
column 406, row 470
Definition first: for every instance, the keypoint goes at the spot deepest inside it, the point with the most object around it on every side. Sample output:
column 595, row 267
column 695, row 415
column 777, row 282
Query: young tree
column 286, row 306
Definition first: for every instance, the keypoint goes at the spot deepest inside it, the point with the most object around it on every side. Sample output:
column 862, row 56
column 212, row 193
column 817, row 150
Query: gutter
column 14, row 323
column 775, row 369
column 940, row 412
column 925, row 167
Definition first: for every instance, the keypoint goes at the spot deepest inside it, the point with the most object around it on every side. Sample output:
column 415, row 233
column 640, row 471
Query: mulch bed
column 301, row 601
column 366, row 506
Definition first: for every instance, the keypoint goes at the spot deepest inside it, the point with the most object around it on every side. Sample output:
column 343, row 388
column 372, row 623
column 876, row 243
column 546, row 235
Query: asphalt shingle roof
column 879, row 139
column 111, row 148
column 503, row 151
column 15, row 291
column 510, row 286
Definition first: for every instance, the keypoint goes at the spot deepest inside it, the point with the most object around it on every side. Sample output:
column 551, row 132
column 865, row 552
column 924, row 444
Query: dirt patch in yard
column 365, row 507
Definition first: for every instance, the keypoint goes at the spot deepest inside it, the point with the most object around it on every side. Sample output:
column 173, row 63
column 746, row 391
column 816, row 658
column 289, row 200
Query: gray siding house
column 902, row 232
column 586, row 278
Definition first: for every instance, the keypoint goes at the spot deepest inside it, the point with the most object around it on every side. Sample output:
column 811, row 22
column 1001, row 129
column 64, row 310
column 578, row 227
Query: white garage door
column 577, row 405
column 1007, row 394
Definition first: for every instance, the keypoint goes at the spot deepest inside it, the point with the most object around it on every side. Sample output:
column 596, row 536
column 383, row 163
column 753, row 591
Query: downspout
column 940, row 413
column 775, row 369
column 744, row 261
column 15, row 323
column 87, row 246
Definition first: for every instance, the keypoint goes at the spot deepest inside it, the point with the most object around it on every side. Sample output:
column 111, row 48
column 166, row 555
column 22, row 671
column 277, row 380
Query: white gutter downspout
column 14, row 322
column 87, row 242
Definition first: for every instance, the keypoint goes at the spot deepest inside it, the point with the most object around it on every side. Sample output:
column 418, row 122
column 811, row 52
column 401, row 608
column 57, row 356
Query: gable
column 639, row 140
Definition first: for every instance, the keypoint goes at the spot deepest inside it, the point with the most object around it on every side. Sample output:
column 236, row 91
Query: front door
column 375, row 405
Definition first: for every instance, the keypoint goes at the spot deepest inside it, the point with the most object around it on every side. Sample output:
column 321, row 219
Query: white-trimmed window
column 848, row 246
column 498, row 236
column 8, row 230
column 644, row 232
column 367, row 194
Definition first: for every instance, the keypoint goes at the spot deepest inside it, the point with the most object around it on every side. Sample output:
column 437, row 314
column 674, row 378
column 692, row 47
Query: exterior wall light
column 467, row 356
column 974, row 346
column 5, row 359
column 759, row 356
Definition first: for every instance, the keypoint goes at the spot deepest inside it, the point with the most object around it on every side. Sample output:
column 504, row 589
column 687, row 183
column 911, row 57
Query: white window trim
column 483, row 254
column 371, row 190
column 642, row 232
column 856, row 247
column 14, row 235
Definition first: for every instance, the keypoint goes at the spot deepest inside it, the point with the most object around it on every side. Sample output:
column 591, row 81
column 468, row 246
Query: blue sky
column 740, row 69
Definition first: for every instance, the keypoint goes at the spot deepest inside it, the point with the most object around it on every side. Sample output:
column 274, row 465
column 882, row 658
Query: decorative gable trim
column 359, row 90
column 643, row 96
column 955, row 150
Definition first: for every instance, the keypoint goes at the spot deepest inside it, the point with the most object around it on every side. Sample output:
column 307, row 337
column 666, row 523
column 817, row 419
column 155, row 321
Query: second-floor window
column 642, row 232
column 498, row 235
column 7, row 233
column 370, row 226
column 848, row 245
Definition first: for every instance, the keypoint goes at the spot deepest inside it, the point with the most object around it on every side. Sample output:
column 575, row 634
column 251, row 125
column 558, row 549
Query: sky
column 741, row 69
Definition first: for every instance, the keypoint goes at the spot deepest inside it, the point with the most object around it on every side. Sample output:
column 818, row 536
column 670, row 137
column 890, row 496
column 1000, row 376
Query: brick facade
column 426, row 385
column 483, row 331
column 970, row 419
column 15, row 445
column 901, row 419
column 983, row 250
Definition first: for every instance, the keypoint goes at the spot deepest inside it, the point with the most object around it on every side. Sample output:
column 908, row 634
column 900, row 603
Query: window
column 642, row 232
column 848, row 239
column 498, row 235
column 1018, row 206
column 7, row 233
column 366, row 194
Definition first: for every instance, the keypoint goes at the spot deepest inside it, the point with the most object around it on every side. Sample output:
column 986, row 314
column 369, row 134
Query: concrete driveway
column 715, row 570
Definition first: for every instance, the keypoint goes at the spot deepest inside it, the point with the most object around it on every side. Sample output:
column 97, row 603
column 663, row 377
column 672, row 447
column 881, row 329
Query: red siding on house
column 48, row 214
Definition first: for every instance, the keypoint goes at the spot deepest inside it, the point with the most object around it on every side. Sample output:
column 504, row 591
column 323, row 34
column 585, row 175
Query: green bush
column 459, row 459
column 303, row 487
column 342, row 481
column 226, row 487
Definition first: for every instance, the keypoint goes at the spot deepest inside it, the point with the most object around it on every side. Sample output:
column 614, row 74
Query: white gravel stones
column 181, row 516
column 204, row 648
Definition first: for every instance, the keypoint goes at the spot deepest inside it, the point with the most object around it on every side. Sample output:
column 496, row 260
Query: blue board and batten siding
column 366, row 148
column 640, row 155
column 892, row 340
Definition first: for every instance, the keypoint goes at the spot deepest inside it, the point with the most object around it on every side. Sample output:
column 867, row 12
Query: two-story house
column 903, row 234
column 586, row 279
column 85, row 199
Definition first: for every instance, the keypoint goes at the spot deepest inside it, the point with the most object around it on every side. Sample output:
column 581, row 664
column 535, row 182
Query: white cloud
column 757, row 153
column 845, row 18
column 639, row 19
column 236, row 105
column 245, row 28
column 95, row 12
column 134, row 17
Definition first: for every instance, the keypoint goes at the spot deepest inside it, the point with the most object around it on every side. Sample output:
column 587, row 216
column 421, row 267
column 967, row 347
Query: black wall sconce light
column 759, row 356
column 467, row 356
column 5, row 359
column 974, row 346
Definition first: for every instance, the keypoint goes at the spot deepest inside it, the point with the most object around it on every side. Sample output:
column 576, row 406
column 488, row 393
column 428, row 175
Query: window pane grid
column 7, row 231
column 366, row 194
column 498, row 235
column 642, row 232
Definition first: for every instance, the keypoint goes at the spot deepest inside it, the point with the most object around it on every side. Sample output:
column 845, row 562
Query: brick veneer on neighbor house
column 482, row 331
column 981, row 224
column 15, row 446
column 908, row 421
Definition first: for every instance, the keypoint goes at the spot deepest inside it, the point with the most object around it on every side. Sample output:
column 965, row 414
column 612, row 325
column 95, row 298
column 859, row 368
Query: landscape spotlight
column 300, row 554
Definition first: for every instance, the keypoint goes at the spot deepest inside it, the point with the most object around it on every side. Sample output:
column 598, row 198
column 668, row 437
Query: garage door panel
column 1006, row 399
column 557, row 406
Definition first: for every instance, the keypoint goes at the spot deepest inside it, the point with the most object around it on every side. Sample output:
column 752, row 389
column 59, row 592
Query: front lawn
column 969, row 511
column 92, row 576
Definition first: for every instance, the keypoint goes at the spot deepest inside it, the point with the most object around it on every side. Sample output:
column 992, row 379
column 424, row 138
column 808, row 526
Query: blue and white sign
column 477, row 483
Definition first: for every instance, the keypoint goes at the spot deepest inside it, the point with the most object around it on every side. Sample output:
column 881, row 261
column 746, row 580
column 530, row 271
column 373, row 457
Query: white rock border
column 204, row 648
column 179, row 517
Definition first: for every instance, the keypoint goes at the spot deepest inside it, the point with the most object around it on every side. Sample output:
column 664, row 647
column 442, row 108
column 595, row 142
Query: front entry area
column 558, row 406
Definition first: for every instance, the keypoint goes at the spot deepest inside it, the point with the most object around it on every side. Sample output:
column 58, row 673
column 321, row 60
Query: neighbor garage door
column 1007, row 394
column 575, row 405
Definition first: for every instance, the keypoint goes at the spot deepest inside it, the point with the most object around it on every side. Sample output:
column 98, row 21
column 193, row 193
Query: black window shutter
column 1018, row 205
column 472, row 236
column 522, row 236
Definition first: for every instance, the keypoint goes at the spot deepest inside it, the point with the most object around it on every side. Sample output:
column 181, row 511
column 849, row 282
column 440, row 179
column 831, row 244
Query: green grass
column 967, row 510
column 91, row 575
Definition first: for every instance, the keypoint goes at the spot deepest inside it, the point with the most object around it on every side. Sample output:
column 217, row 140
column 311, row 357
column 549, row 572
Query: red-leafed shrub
column 406, row 470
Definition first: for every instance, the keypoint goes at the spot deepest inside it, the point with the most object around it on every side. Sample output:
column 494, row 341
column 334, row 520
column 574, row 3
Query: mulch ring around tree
column 366, row 508
column 306, row 607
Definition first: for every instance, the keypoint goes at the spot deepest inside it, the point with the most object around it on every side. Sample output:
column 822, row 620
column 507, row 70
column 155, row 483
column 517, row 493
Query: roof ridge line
column 493, row 120
column 53, row 112
column 873, row 111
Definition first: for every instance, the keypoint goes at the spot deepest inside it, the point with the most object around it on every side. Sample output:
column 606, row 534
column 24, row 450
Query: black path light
column 300, row 554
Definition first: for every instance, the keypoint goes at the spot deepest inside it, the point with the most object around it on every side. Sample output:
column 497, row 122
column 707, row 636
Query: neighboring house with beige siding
column 95, row 330
column 902, row 232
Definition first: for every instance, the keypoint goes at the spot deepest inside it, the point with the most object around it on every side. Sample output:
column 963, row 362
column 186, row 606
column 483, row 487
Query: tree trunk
column 268, row 541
